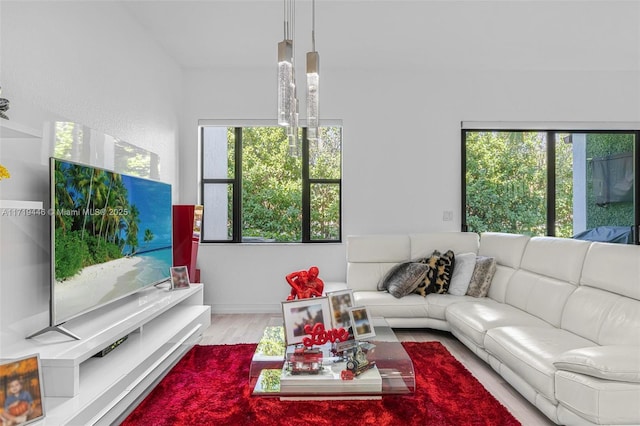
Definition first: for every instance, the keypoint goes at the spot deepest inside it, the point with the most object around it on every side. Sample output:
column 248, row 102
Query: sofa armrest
column 614, row 362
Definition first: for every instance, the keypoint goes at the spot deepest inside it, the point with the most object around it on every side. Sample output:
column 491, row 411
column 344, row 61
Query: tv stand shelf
column 161, row 326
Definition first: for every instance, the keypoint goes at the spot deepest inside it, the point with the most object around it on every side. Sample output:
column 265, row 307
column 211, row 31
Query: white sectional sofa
column 561, row 321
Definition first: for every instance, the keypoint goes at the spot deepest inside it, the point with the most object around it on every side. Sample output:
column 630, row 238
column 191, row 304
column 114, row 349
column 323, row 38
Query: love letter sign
column 320, row 336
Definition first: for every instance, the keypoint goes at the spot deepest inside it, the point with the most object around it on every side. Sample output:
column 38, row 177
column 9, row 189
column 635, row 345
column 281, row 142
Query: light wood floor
column 247, row 328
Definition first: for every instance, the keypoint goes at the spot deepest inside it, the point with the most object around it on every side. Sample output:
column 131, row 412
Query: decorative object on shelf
column 179, row 277
column 361, row 323
column 305, row 284
column 21, row 398
column 320, row 336
column 299, row 313
column 4, row 173
column 4, row 106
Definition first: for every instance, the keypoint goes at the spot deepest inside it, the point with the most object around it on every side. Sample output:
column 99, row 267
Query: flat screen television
column 110, row 237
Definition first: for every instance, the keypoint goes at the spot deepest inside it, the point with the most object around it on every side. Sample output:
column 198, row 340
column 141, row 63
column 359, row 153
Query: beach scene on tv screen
column 112, row 236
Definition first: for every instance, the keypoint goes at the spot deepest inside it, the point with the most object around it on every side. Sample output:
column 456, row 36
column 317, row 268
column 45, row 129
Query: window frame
column 236, row 183
column 551, row 131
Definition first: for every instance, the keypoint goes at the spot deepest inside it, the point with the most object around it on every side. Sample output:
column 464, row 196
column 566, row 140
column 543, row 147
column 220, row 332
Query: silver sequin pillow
column 403, row 278
column 482, row 276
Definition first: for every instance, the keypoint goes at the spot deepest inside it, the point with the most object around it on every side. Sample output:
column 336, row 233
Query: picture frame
column 198, row 212
column 298, row 313
column 179, row 278
column 21, row 390
column 361, row 322
column 339, row 303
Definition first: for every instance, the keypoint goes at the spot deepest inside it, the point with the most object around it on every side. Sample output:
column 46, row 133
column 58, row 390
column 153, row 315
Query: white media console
column 81, row 389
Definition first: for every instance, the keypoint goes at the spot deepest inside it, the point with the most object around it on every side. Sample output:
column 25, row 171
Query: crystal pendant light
column 285, row 77
column 313, row 81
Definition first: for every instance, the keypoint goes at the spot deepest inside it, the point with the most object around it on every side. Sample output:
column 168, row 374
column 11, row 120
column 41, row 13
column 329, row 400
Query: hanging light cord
column 313, row 25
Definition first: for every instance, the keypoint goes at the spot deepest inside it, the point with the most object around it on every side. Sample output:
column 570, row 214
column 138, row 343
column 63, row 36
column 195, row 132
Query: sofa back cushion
column 602, row 317
column 606, row 306
column 508, row 250
column 549, row 272
column 613, row 267
column 423, row 245
column 370, row 257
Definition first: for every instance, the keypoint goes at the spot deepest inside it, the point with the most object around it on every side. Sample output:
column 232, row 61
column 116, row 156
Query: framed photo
column 198, row 211
column 179, row 277
column 340, row 302
column 21, row 391
column 361, row 321
column 298, row 313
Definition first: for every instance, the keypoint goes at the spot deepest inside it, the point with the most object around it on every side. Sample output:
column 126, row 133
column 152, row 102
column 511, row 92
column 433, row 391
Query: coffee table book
column 325, row 385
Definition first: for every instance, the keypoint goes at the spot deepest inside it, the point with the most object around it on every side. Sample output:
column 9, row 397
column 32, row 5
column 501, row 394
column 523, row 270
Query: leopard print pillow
column 439, row 274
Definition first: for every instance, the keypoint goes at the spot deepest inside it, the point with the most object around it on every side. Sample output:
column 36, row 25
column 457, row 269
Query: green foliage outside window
column 615, row 214
column 506, row 181
column 272, row 184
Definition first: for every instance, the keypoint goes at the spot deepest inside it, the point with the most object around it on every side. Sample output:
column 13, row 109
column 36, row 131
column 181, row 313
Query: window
column 573, row 184
column 258, row 188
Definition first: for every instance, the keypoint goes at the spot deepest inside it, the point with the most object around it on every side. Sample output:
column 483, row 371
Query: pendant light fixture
column 313, row 80
column 288, row 105
column 285, row 71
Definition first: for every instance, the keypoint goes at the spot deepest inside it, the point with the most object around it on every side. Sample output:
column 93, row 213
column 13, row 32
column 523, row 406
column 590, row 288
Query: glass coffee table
column 393, row 373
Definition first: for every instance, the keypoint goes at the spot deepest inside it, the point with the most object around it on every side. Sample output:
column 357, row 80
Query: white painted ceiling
column 371, row 34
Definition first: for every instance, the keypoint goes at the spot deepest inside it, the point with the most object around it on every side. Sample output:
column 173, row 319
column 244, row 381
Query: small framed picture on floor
column 179, row 278
column 21, row 391
column 361, row 323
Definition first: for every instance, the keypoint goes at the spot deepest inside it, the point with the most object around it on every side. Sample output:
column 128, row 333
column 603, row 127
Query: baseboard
column 246, row 309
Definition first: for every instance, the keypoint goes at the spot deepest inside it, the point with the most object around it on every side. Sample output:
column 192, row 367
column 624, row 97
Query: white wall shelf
column 13, row 130
column 161, row 325
column 22, row 205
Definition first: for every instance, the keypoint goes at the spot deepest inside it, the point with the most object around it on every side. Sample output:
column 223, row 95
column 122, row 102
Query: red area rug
column 210, row 386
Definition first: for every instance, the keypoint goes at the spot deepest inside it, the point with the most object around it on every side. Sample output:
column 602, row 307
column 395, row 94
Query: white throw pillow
column 462, row 272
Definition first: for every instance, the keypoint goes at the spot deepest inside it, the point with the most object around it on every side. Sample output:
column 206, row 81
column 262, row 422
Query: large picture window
column 258, row 187
column 573, row 184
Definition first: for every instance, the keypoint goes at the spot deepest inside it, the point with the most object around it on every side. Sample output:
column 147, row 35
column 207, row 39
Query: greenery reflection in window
column 256, row 188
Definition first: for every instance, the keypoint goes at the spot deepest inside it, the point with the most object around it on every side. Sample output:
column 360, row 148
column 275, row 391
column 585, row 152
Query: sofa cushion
column 422, row 245
column 482, row 276
column 403, row 278
column 530, row 351
column 369, row 258
column 382, row 304
column 604, row 317
column 507, row 249
column 559, row 258
column 474, row 319
column 602, row 402
column 614, row 268
column 619, row 362
column 438, row 303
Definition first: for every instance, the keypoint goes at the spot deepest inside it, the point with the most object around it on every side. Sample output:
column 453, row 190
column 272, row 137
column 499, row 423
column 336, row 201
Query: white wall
column 87, row 62
column 401, row 75
column 440, row 63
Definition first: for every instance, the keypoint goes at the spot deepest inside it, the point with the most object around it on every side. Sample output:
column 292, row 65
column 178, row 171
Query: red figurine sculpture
column 305, row 284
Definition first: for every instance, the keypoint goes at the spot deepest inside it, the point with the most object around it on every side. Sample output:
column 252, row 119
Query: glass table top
column 392, row 372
